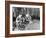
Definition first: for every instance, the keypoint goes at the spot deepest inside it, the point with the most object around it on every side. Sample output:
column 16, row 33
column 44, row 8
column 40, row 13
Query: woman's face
column 23, row 20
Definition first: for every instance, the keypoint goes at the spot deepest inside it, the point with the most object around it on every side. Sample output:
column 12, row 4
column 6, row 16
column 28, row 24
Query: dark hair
column 23, row 15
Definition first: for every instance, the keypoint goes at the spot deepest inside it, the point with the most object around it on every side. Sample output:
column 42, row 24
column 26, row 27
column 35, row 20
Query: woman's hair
column 23, row 15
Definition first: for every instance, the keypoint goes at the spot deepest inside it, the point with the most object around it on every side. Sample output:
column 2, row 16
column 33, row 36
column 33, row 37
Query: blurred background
column 34, row 12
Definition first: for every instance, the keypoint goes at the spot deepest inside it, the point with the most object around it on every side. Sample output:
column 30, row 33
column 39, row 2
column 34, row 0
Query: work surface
column 35, row 25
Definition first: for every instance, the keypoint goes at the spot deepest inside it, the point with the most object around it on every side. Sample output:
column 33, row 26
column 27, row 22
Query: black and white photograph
column 26, row 18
